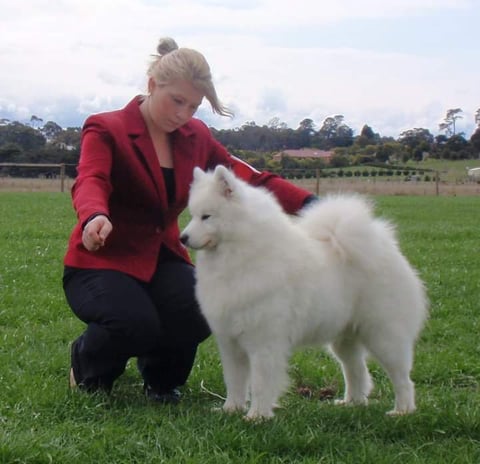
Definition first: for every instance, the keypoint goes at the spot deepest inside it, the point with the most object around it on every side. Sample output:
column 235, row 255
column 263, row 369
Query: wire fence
column 373, row 179
column 37, row 170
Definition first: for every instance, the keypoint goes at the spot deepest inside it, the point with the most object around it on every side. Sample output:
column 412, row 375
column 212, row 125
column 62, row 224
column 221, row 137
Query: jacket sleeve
column 92, row 187
column 291, row 197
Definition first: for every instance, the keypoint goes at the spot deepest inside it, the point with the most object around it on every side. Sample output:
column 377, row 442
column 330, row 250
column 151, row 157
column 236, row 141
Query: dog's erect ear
column 198, row 172
column 225, row 179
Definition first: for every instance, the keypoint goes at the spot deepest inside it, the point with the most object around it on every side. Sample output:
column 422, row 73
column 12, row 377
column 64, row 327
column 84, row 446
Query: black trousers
column 158, row 322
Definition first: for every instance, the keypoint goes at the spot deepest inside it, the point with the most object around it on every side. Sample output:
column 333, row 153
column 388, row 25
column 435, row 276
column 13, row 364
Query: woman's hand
column 96, row 232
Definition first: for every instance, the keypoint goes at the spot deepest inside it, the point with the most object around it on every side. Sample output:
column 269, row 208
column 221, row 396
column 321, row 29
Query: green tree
column 385, row 151
column 475, row 142
column 416, row 141
column 10, row 152
column 477, row 118
column 51, row 130
column 334, row 133
column 69, row 136
column 456, row 148
column 26, row 137
column 305, row 132
column 288, row 162
column 448, row 124
column 35, row 121
column 366, row 137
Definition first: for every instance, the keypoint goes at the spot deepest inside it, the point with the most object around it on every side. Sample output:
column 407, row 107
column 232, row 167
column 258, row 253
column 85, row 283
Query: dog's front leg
column 269, row 378
column 235, row 374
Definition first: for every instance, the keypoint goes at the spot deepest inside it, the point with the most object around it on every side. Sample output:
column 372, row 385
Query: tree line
column 38, row 142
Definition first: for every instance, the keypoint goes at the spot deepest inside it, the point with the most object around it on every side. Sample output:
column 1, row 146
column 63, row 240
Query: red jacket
column 119, row 175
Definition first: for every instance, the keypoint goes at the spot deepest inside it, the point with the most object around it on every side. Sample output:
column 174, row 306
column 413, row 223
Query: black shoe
column 163, row 397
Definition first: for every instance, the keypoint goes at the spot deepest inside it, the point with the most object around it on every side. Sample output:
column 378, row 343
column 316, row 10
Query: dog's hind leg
column 268, row 380
column 235, row 374
column 396, row 356
column 352, row 355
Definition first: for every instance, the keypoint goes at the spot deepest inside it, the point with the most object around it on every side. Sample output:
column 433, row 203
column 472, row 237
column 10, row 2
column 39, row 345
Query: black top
column 169, row 178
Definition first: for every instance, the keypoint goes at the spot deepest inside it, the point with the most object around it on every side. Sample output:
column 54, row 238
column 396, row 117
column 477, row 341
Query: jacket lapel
column 145, row 150
column 183, row 141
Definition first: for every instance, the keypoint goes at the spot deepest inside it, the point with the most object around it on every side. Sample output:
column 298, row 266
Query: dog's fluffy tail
column 348, row 225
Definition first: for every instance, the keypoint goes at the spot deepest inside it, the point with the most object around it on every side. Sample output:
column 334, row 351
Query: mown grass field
column 41, row 421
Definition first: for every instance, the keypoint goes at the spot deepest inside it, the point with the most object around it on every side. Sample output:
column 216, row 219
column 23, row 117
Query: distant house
column 311, row 153
column 65, row 146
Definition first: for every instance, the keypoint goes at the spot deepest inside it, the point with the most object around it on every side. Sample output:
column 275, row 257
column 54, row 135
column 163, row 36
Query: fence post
column 317, row 183
column 62, row 177
column 437, row 182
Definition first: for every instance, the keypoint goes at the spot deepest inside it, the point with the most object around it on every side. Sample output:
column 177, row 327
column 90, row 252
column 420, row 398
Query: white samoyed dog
column 268, row 282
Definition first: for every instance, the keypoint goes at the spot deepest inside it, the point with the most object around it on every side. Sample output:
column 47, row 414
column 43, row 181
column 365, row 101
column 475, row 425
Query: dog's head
column 212, row 200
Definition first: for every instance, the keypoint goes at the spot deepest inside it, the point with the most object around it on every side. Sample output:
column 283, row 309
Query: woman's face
column 172, row 105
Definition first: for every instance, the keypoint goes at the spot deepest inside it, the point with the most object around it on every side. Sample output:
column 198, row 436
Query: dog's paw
column 256, row 419
column 351, row 402
column 257, row 416
column 342, row 402
column 400, row 412
column 233, row 408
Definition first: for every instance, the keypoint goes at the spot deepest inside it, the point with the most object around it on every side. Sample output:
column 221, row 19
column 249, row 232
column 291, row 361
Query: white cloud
column 69, row 58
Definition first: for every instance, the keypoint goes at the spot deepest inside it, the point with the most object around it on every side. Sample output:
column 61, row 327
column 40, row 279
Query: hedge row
column 311, row 174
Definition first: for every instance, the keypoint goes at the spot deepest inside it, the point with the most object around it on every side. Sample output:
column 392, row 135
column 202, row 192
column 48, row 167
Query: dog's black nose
column 184, row 238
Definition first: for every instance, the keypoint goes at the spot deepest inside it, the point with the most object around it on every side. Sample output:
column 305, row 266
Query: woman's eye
column 205, row 217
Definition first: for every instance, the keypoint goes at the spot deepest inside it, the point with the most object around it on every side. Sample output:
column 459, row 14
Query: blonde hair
column 173, row 63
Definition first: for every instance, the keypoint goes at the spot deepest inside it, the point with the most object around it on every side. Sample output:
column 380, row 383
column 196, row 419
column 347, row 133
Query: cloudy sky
column 391, row 64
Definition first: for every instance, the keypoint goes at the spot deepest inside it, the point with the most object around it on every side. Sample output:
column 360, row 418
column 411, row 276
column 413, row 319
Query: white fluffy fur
column 267, row 283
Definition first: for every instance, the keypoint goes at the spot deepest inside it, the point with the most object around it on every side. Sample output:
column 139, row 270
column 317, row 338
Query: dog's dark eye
column 205, row 217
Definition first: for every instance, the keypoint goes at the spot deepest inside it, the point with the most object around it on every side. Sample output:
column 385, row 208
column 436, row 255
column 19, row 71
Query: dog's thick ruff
column 268, row 282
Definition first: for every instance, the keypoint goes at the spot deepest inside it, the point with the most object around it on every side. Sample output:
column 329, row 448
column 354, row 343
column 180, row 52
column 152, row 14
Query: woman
column 127, row 276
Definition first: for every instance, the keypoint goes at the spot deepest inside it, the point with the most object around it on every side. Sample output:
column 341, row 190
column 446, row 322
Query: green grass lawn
column 42, row 421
